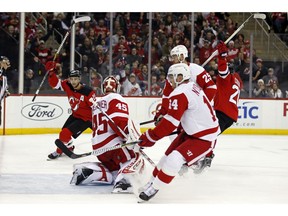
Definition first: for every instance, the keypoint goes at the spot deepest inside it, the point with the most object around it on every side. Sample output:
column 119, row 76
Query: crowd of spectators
column 130, row 43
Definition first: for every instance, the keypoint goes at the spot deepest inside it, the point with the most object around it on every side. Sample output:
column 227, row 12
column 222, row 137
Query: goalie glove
column 222, row 49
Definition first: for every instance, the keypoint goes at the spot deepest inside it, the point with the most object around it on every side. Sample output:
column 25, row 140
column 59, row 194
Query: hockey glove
column 148, row 139
column 50, row 66
column 222, row 49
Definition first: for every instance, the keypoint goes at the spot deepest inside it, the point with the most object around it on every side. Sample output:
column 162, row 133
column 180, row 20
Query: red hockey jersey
column 79, row 100
column 228, row 91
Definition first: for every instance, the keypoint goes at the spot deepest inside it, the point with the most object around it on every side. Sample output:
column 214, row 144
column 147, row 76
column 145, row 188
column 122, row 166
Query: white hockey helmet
column 179, row 69
column 110, row 84
column 178, row 50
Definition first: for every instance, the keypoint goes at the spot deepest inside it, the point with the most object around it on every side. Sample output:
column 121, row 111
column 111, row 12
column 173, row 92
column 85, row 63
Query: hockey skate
column 122, row 186
column 148, row 193
column 145, row 187
column 58, row 152
column 202, row 165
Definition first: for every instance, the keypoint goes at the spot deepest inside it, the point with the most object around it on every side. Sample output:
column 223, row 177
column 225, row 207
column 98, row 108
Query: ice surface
column 247, row 169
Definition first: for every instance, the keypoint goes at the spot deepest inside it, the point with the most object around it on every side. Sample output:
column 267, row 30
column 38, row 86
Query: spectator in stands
column 28, row 80
column 121, row 47
column 100, row 28
column 104, row 69
column 230, row 26
column 41, row 57
column 140, row 48
column 279, row 20
column 260, row 90
column 205, row 51
column 232, row 51
column 61, row 25
column 99, row 57
column 155, row 89
column 133, row 57
column 116, row 37
column 156, row 51
column 260, row 71
column 162, row 80
column 132, row 88
column 239, row 41
column 134, row 26
column 275, row 91
column 270, row 78
column 95, row 80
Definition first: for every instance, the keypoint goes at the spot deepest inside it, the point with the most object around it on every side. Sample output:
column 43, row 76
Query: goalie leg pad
column 91, row 173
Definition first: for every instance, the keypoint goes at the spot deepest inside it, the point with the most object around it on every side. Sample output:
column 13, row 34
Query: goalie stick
column 125, row 135
column 97, row 152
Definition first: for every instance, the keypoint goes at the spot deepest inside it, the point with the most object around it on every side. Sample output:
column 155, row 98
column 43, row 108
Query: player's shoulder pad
column 85, row 90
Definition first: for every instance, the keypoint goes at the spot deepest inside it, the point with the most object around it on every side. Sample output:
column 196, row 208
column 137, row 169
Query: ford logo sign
column 41, row 111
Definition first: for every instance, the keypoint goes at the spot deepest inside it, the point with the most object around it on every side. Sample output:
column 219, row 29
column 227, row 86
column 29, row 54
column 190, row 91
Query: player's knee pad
column 91, row 173
column 65, row 135
column 173, row 163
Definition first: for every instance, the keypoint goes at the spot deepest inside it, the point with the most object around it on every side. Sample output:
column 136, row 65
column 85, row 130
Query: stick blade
column 260, row 16
column 82, row 19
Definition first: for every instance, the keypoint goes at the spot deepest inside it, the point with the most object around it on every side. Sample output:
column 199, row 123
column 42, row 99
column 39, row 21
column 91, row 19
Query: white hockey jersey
column 105, row 134
column 189, row 106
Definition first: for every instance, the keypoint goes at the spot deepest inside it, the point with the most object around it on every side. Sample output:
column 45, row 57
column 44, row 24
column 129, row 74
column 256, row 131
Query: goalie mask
column 180, row 51
column 177, row 70
column 110, row 84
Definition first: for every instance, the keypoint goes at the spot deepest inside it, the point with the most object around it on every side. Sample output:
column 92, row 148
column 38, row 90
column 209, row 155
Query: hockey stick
column 77, row 20
column 146, row 122
column 72, row 155
column 122, row 132
column 97, row 152
column 255, row 16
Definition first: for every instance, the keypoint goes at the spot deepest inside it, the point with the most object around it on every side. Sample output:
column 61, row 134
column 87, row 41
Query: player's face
column 172, row 81
column 75, row 81
column 175, row 59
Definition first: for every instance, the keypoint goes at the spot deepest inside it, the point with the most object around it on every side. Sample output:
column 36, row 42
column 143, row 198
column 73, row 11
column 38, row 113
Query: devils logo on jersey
column 75, row 102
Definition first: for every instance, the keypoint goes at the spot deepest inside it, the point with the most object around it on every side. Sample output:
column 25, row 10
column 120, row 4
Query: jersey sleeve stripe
column 224, row 74
column 172, row 120
column 119, row 114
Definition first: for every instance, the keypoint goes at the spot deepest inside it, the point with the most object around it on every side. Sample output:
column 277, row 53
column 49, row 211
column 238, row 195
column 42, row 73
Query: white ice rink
column 247, row 170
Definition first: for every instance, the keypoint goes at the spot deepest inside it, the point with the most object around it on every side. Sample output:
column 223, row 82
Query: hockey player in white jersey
column 189, row 107
column 116, row 166
column 198, row 75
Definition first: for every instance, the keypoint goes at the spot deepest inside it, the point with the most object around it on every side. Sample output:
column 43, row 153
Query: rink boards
column 47, row 114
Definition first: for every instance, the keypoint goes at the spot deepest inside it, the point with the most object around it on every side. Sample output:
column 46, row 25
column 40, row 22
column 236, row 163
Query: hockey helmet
column 75, row 73
column 110, row 84
column 179, row 69
column 178, row 50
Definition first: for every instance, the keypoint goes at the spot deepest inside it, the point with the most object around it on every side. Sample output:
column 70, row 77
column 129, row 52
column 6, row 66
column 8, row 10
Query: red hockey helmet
column 110, row 84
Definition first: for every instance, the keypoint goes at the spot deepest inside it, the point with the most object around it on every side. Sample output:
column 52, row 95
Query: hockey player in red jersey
column 198, row 75
column 79, row 97
column 226, row 98
column 189, row 107
column 116, row 166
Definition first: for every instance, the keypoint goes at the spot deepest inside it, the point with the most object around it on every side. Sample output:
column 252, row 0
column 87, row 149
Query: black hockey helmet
column 74, row 73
